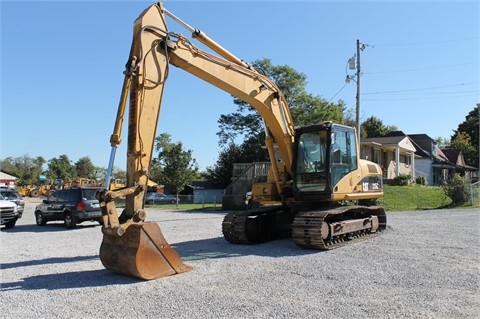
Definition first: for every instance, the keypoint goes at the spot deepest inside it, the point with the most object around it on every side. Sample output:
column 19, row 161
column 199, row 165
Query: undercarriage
column 321, row 229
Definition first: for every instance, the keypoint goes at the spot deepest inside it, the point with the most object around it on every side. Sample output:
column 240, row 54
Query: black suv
column 13, row 196
column 72, row 205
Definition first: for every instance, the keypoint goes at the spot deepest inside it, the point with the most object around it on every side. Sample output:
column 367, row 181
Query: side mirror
column 45, row 201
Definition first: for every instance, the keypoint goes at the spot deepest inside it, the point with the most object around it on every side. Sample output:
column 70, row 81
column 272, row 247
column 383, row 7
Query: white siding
column 424, row 166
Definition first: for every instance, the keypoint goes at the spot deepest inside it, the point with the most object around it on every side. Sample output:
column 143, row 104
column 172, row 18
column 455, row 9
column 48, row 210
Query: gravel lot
column 425, row 265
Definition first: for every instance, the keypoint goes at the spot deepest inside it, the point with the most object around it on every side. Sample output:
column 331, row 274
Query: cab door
column 343, row 153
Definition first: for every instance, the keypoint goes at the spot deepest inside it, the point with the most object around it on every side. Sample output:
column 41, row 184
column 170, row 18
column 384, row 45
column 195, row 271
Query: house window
column 408, row 160
column 377, row 156
column 405, row 159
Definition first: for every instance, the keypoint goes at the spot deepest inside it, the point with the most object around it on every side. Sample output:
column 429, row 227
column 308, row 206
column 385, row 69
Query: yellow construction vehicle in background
column 117, row 183
column 44, row 187
column 314, row 169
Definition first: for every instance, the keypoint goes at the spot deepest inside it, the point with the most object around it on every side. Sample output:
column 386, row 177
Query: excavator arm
column 154, row 49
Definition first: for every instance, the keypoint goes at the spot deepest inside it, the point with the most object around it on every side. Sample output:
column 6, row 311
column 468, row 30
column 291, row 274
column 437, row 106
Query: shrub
column 457, row 191
column 420, row 180
column 402, row 180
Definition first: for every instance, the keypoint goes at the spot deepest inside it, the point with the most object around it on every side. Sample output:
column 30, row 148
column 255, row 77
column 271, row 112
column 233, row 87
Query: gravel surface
column 425, row 265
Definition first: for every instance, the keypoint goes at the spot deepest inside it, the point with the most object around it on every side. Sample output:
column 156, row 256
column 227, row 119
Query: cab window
column 343, row 153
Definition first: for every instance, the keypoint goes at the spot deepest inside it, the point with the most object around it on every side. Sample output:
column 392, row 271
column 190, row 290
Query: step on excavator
column 317, row 188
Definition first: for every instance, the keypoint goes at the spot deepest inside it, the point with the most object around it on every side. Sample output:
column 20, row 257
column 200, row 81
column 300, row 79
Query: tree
column 25, row 167
column 305, row 108
column 463, row 142
column 99, row 173
column 374, row 127
column 247, row 123
column 220, row 174
column 457, row 191
column 85, row 168
column 61, row 168
column 442, row 142
column 470, row 128
column 177, row 165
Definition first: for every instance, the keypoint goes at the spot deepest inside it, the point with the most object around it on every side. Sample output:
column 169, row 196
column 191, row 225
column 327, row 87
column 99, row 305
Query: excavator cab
column 327, row 168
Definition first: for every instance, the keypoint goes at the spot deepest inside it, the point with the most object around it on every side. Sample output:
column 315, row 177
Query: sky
column 62, row 63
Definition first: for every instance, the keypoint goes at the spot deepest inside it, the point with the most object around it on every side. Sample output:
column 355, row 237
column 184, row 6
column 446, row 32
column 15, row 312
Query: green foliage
column 442, row 142
column 25, row 167
column 402, row 180
column 99, row 173
column 464, row 143
column 176, row 165
column 456, row 189
column 247, row 123
column 374, row 127
column 305, row 108
column 28, row 168
column 420, row 180
column 85, row 168
column 466, row 137
column 249, row 151
column 62, row 168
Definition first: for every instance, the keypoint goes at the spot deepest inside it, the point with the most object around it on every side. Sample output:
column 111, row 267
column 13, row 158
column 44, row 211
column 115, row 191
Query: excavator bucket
column 141, row 252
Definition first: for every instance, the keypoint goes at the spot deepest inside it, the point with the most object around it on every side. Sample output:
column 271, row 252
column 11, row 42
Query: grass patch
column 399, row 198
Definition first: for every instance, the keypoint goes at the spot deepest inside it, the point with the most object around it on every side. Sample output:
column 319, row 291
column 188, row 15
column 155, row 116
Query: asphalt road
column 425, row 265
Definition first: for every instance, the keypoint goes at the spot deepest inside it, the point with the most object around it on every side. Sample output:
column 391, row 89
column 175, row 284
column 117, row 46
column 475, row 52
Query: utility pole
column 354, row 63
column 358, row 92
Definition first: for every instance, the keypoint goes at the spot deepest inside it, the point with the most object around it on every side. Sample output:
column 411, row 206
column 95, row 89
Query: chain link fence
column 419, row 198
column 396, row 198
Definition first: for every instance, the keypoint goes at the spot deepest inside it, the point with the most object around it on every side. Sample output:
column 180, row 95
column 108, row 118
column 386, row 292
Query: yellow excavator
column 316, row 172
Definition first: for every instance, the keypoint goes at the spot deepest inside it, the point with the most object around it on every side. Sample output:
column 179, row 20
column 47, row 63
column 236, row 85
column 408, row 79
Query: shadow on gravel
column 46, row 261
column 51, row 227
column 212, row 248
column 89, row 278
column 189, row 251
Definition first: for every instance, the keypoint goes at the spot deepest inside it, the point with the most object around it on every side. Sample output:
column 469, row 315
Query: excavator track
column 329, row 229
column 257, row 226
column 320, row 229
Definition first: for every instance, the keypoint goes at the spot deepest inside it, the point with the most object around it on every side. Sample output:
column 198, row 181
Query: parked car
column 155, row 197
column 12, row 195
column 72, row 205
column 8, row 213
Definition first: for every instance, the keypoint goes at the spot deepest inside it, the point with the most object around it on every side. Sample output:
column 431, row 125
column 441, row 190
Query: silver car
column 154, row 197
column 13, row 196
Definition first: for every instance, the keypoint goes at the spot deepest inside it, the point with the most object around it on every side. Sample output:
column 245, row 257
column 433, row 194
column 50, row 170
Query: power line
column 433, row 93
column 420, row 89
column 422, row 69
column 337, row 92
column 424, row 43
column 421, row 98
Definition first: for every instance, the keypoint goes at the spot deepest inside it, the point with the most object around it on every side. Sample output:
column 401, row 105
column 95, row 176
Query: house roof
column 451, row 154
column 390, row 141
column 6, row 176
column 202, row 185
column 395, row 133
column 421, row 137
column 439, row 154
